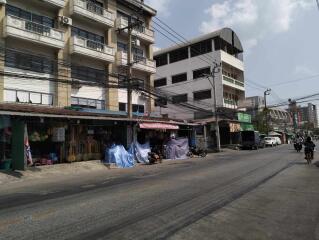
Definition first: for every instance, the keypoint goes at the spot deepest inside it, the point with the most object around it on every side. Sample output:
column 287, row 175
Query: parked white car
column 278, row 141
column 270, row 141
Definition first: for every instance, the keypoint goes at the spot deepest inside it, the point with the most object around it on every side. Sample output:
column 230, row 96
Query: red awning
column 158, row 126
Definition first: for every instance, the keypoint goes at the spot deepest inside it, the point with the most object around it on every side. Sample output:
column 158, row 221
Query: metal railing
column 233, row 81
column 27, row 25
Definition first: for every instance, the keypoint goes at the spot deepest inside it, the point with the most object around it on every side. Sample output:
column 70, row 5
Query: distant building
column 280, row 119
column 308, row 115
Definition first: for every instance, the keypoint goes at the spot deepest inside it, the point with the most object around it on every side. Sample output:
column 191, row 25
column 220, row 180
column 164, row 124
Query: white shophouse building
column 180, row 72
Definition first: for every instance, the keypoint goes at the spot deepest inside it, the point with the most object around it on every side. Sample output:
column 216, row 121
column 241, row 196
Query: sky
column 280, row 39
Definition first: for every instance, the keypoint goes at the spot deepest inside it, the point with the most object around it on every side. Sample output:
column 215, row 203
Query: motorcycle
column 298, row 147
column 195, row 151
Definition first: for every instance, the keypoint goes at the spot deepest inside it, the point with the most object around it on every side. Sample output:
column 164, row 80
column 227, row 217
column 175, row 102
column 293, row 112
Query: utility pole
column 215, row 70
column 129, row 73
column 130, row 61
column 266, row 93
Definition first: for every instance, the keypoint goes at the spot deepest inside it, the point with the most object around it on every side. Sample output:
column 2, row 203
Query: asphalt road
column 264, row 194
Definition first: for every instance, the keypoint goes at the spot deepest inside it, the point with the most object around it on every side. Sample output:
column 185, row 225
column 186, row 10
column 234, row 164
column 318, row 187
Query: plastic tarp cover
column 140, row 151
column 177, row 149
column 119, row 156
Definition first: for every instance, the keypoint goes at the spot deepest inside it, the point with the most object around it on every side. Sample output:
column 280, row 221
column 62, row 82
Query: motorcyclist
column 309, row 146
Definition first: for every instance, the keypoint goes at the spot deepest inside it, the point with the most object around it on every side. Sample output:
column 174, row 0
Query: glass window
column 200, row 72
column 22, row 97
column 121, row 47
column 160, row 82
column 201, row 95
column 10, row 95
column 179, row 78
column 161, row 60
column 201, row 48
column 178, row 55
column 88, row 35
column 29, row 62
column 179, row 98
column 35, row 98
column 122, row 107
column 138, row 108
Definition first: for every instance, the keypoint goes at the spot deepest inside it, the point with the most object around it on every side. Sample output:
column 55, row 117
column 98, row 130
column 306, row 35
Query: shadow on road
column 12, row 173
column 316, row 164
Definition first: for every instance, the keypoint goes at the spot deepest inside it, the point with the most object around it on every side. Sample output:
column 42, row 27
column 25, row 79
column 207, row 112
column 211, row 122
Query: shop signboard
column 58, row 134
column 244, row 117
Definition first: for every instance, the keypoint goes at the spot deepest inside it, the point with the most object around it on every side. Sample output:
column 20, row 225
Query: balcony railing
column 139, row 62
column 230, row 103
column 93, row 11
column 92, row 49
column 140, row 32
column 21, row 28
column 233, row 82
column 58, row 3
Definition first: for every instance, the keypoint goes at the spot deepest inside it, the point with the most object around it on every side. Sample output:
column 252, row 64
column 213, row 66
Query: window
column 160, row 82
column 200, row 72
column 178, row 55
column 160, row 102
column 20, row 96
column 201, row 95
column 95, row 6
column 94, row 41
column 121, row 47
column 161, row 60
column 88, row 74
column 138, row 108
column 29, row 62
column 179, row 98
column 122, row 107
column 37, row 23
column 88, row 103
column 179, row 78
column 201, row 48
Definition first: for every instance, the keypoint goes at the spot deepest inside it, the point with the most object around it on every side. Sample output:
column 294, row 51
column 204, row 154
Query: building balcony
column 228, row 81
column 90, row 10
column 91, row 49
column 230, row 103
column 34, row 32
column 139, row 63
column 143, row 33
column 231, row 60
column 57, row 3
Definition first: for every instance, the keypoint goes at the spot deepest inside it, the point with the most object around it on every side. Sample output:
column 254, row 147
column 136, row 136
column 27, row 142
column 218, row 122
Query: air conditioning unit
column 3, row 2
column 65, row 20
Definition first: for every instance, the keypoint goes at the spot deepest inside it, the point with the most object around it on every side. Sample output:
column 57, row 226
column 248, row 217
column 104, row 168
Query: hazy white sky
column 280, row 38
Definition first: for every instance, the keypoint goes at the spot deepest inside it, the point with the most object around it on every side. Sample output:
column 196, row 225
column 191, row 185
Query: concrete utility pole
column 266, row 93
column 216, row 69
column 130, row 28
column 129, row 74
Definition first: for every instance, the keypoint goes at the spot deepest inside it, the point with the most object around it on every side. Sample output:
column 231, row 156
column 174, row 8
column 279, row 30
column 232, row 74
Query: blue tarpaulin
column 117, row 155
column 177, row 149
column 140, row 151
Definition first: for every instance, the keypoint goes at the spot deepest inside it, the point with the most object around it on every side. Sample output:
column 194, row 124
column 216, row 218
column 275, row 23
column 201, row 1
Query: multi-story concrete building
column 308, row 115
column 279, row 119
column 46, row 44
column 181, row 69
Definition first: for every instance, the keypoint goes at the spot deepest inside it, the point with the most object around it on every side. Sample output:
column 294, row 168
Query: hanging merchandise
column 27, row 147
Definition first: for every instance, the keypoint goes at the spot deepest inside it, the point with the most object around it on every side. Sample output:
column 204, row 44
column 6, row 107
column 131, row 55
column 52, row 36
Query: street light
column 266, row 93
